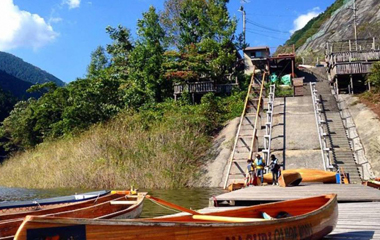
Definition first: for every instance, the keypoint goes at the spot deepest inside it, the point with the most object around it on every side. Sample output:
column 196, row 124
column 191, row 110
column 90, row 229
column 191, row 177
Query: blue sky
column 59, row 35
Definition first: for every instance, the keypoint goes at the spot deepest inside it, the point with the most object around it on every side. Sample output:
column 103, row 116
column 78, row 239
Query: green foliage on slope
column 120, row 125
column 313, row 26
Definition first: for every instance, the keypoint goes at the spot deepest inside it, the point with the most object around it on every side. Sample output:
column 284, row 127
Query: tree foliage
column 135, row 75
column 374, row 76
column 203, row 35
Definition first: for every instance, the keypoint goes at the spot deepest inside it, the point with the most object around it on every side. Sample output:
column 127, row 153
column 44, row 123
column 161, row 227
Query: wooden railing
column 251, row 151
column 353, row 68
column 257, row 116
column 353, row 56
column 239, row 128
column 203, row 87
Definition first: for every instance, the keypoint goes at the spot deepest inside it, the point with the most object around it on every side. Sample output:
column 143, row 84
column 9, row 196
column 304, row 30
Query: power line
column 258, row 33
column 266, row 31
column 264, row 27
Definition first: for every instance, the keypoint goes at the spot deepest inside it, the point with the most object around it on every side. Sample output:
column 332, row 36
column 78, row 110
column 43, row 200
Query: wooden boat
column 108, row 206
column 32, row 204
column 372, row 183
column 308, row 175
column 235, row 186
column 289, row 179
column 309, row 218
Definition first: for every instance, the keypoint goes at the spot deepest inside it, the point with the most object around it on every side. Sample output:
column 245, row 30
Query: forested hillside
column 25, row 71
column 15, row 86
column 120, row 125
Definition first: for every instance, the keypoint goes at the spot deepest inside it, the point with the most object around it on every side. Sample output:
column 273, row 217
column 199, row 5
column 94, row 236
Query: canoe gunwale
column 155, row 222
column 56, row 200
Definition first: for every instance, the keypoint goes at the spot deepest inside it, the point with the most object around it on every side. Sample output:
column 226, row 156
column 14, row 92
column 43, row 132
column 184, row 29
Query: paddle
column 345, row 178
column 172, row 205
column 227, row 219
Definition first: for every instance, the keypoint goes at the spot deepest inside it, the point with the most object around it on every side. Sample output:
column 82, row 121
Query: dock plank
column 346, row 193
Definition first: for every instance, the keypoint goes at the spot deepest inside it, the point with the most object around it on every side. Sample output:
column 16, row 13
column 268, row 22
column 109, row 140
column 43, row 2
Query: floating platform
column 263, row 194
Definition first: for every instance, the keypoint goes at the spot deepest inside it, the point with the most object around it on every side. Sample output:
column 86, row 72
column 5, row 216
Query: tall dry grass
column 128, row 150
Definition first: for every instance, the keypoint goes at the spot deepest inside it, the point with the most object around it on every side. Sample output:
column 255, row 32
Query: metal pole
column 244, row 24
column 374, row 44
column 244, row 20
column 355, row 27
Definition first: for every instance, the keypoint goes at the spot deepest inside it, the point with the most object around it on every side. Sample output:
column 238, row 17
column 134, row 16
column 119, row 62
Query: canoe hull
column 314, row 225
column 100, row 209
column 308, row 175
column 290, row 179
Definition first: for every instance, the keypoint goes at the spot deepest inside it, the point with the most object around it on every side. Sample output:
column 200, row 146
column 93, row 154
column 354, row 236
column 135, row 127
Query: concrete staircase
column 338, row 140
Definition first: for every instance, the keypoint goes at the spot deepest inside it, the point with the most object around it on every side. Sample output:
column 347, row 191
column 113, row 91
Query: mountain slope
column 336, row 24
column 15, row 86
column 24, row 71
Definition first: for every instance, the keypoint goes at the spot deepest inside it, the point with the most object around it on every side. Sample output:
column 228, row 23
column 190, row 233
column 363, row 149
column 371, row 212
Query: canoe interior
column 290, row 179
column 55, row 200
column 293, row 208
column 21, row 212
column 311, row 218
column 99, row 208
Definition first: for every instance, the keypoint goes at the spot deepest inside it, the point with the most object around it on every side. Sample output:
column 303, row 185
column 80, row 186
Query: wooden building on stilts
column 349, row 62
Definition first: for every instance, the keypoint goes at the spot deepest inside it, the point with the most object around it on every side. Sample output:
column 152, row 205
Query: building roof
column 256, row 48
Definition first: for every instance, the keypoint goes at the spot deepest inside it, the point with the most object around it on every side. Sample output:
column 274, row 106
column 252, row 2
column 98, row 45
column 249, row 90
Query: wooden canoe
column 372, row 183
column 33, row 204
column 108, row 206
column 308, row 175
column 235, row 186
column 289, row 179
column 309, row 218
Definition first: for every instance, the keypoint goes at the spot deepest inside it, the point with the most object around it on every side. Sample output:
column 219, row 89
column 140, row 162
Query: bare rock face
column 340, row 25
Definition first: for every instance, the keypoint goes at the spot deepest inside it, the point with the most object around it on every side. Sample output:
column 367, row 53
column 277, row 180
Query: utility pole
column 355, row 26
column 244, row 21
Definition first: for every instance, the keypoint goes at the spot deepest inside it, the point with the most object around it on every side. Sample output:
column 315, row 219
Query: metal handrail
column 319, row 123
column 269, row 124
column 350, row 139
column 239, row 128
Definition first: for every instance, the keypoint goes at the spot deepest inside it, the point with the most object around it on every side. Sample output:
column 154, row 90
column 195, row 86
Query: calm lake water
column 194, row 198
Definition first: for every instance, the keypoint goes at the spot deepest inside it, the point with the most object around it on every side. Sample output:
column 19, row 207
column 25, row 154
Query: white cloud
column 72, row 3
column 22, row 29
column 55, row 20
column 302, row 20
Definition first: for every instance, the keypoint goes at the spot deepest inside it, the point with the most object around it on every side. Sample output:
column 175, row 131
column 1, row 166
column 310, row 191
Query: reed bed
column 157, row 151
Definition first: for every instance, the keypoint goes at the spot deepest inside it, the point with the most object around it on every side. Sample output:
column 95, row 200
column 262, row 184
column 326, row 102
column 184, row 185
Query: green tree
column 374, row 76
column 17, row 131
column 99, row 62
column 147, row 83
column 119, row 50
column 205, row 40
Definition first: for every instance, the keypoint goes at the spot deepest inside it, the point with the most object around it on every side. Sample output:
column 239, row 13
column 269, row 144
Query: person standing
column 250, row 173
column 274, row 168
column 259, row 166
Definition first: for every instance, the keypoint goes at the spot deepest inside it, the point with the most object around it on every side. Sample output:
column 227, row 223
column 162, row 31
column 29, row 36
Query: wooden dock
column 357, row 221
column 264, row 194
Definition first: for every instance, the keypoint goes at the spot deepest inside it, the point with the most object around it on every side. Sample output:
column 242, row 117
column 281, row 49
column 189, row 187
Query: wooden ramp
column 246, row 137
column 253, row 195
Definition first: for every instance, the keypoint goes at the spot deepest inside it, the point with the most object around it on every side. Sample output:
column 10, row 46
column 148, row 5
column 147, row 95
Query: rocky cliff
column 340, row 25
column 336, row 24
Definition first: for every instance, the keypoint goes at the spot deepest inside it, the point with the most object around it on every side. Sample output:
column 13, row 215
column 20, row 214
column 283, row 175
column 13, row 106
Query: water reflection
column 194, row 198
